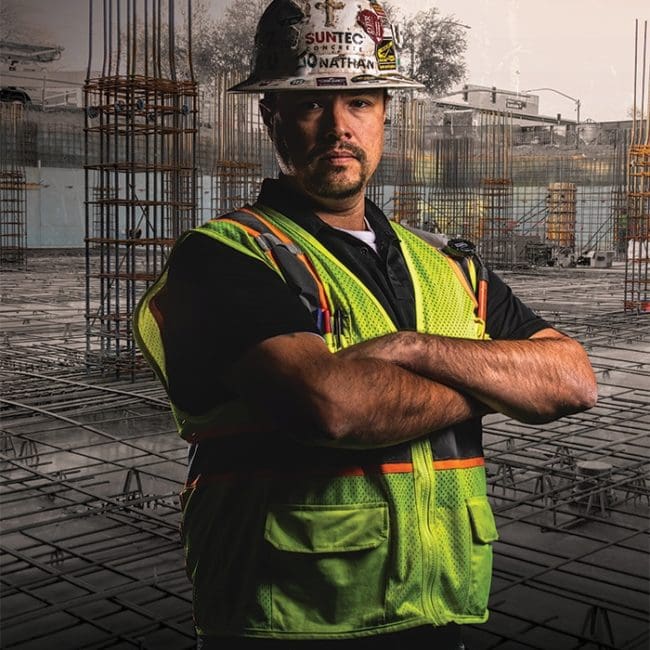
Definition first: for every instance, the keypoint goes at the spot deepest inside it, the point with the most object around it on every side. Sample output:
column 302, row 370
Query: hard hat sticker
column 386, row 57
column 330, row 7
column 371, row 24
column 334, row 41
column 366, row 78
column 339, row 62
column 332, row 81
column 379, row 10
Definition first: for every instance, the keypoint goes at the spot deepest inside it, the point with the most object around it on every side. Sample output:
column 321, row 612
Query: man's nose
column 336, row 121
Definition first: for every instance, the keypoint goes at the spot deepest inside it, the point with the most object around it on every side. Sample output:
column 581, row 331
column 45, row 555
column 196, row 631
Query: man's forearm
column 532, row 380
column 398, row 405
column 295, row 382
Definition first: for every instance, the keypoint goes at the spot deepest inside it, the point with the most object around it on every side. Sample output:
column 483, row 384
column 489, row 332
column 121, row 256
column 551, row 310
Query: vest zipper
column 424, row 480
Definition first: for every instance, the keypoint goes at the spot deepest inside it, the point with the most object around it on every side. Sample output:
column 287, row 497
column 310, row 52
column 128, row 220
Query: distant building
column 497, row 99
column 475, row 100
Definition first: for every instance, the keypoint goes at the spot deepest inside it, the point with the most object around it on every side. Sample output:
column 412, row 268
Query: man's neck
column 350, row 217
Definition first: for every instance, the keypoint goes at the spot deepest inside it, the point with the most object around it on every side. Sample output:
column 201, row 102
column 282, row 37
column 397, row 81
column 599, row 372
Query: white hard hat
column 324, row 45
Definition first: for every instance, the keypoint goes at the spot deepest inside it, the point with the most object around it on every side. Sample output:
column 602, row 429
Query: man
column 330, row 370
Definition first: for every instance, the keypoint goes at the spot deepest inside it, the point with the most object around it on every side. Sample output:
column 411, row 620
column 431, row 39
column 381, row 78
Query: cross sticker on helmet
column 329, row 7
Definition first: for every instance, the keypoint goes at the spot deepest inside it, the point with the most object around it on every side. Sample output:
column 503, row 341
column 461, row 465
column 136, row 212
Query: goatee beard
column 325, row 188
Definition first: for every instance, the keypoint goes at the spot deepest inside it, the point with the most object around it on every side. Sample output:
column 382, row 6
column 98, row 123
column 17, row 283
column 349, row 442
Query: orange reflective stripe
column 385, row 468
column 482, row 300
column 250, row 231
column 156, row 313
column 459, row 463
column 301, row 256
column 278, row 233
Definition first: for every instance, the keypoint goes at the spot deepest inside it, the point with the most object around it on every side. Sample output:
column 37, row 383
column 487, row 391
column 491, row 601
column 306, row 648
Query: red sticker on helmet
column 371, row 24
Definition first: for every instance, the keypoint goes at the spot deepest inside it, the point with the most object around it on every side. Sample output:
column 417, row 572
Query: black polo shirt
column 220, row 303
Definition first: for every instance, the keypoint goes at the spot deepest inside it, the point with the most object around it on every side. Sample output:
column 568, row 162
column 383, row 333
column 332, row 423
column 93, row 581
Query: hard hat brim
column 330, row 83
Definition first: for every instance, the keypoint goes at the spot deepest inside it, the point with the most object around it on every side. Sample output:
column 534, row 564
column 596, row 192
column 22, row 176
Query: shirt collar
column 278, row 195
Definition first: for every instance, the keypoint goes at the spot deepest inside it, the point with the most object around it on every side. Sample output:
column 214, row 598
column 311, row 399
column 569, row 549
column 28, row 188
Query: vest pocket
column 464, row 549
column 484, row 532
column 327, row 566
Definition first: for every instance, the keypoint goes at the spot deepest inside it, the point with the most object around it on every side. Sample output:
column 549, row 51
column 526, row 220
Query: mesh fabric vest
column 287, row 540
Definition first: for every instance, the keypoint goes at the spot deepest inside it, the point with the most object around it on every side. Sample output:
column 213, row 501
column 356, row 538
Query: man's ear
column 266, row 111
column 387, row 99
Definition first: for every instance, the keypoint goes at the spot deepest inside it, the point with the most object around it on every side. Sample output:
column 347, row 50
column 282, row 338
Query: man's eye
column 360, row 103
column 310, row 106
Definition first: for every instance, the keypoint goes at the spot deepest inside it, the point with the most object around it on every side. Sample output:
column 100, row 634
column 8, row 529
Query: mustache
column 323, row 150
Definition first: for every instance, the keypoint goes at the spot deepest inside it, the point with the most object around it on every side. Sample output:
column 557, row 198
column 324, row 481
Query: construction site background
column 91, row 463
column 431, row 175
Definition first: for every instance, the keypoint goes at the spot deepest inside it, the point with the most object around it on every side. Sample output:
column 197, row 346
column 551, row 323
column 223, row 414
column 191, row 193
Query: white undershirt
column 367, row 236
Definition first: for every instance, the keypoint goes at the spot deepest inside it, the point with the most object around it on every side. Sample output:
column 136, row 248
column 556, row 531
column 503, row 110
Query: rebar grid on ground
column 91, row 469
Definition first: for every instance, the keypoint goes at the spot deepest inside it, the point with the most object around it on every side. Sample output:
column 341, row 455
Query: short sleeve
column 508, row 317
column 218, row 303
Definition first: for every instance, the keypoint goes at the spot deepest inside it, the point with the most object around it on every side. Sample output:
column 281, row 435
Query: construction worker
column 330, row 369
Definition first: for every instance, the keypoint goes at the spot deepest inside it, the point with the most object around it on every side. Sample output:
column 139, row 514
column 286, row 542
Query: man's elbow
column 580, row 390
column 588, row 397
column 333, row 422
column 580, row 396
column 585, row 393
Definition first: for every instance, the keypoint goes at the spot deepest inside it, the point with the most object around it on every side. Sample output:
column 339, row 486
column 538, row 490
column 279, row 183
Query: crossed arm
column 403, row 385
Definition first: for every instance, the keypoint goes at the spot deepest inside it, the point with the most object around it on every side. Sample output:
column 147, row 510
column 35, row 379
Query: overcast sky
column 583, row 48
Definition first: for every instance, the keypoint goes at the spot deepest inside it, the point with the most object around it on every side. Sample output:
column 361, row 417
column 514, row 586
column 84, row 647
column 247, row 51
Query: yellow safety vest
column 285, row 540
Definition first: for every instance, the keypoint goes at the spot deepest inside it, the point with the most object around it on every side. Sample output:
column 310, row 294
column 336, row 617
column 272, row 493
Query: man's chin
column 332, row 188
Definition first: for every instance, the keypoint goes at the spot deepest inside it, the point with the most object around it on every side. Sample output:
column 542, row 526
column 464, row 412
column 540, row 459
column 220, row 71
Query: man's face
column 329, row 143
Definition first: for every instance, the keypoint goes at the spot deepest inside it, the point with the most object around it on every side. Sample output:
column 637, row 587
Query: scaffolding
column 481, row 177
column 495, row 189
column 13, row 183
column 141, row 178
column 637, row 278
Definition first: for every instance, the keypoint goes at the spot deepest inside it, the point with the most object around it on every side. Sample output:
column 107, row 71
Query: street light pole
column 573, row 99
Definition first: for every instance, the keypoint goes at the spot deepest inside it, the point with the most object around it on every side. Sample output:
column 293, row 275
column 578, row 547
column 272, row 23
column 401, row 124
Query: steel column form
column 141, row 130
column 637, row 270
column 239, row 149
column 13, row 219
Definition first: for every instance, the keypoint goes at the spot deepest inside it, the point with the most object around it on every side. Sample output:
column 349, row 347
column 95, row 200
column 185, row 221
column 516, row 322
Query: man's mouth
column 338, row 154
